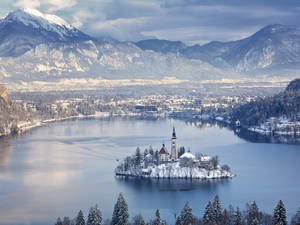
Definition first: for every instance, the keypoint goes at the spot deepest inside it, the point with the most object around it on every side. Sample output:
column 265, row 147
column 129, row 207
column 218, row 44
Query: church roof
column 163, row 150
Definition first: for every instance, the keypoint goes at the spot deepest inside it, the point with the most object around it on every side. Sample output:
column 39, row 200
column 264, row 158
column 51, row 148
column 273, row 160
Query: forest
column 213, row 214
column 285, row 104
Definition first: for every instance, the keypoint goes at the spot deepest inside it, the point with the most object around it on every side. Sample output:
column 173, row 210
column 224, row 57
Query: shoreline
column 173, row 178
column 25, row 127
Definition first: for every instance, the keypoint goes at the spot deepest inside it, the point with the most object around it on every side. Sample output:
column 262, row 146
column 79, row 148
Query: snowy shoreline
column 27, row 126
column 173, row 170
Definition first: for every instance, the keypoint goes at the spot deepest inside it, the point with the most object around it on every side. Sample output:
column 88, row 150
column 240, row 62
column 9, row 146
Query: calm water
column 57, row 170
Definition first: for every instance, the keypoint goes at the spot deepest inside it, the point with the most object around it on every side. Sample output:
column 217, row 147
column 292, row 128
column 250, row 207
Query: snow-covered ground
column 280, row 126
column 174, row 170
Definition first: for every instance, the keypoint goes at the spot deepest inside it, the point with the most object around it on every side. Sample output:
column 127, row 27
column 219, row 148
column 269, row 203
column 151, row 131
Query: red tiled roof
column 163, row 150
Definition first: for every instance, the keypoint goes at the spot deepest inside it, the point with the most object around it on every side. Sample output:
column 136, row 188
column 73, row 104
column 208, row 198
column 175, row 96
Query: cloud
column 54, row 5
column 191, row 21
column 48, row 5
column 122, row 28
column 27, row 4
column 80, row 18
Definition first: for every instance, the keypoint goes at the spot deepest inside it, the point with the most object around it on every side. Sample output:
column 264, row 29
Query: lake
column 58, row 169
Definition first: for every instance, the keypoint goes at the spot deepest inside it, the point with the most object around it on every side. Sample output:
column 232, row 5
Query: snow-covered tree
column 58, row 221
column 66, row 221
column 120, row 215
column 186, row 215
column 208, row 217
column 95, row 216
column 146, row 153
column 279, row 215
column 181, row 151
column 253, row 215
column 138, row 157
column 178, row 221
column 158, row 220
column 238, row 217
column 80, row 218
column 225, row 219
column 138, row 220
column 215, row 162
column 151, row 152
column 296, row 218
column 217, row 209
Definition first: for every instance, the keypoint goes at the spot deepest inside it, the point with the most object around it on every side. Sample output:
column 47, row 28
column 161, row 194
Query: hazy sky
column 191, row 21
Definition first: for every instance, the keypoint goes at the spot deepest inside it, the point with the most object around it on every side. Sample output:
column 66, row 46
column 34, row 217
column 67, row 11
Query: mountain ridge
column 42, row 47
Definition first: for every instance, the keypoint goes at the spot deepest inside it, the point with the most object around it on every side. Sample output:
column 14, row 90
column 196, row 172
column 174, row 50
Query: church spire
column 174, row 133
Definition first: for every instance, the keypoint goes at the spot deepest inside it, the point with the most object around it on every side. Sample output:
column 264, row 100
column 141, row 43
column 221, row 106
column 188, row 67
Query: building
column 174, row 146
column 163, row 154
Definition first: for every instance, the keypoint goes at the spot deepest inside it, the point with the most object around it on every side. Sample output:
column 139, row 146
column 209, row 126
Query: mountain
column 293, row 85
column 163, row 46
column 37, row 47
column 25, row 29
column 274, row 46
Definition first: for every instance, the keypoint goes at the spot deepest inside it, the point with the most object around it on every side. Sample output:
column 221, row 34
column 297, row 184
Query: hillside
column 273, row 49
column 10, row 114
column 285, row 105
column 37, row 47
column 43, row 47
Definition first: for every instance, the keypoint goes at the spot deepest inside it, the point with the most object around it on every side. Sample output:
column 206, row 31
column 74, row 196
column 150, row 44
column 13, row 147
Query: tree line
column 213, row 214
column 285, row 104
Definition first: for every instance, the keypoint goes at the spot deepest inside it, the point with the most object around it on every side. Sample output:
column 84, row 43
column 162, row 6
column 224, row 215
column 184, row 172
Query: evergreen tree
column 238, row 217
column 120, row 215
column 138, row 220
column 138, row 157
column 178, row 221
column 151, row 152
column 231, row 213
column 208, row 217
column 95, row 216
column 58, row 221
column 217, row 209
column 157, row 220
column 146, row 153
column 296, row 218
column 80, row 218
column 225, row 219
column 186, row 215
column 181, row 151
column 66, row 221
column 279, row 216
column 253, row 215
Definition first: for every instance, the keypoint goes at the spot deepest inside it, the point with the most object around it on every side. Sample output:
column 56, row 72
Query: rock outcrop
column 3, row 93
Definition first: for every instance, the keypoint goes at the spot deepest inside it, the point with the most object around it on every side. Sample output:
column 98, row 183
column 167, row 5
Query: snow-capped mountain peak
column 48, row 17
column 24, row 29
column 35, row 18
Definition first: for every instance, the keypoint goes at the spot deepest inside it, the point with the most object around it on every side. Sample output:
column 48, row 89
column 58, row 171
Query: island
column 176, row 165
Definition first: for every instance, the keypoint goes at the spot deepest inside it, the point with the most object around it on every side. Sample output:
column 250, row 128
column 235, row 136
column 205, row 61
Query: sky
column 190, row 21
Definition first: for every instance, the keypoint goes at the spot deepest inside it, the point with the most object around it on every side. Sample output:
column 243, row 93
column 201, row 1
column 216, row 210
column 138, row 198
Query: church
column 163, row 153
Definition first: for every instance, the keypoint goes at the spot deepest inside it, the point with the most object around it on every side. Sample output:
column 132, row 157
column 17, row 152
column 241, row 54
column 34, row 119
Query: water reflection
column 5, row 150
column 246, row 134
column 171, row 185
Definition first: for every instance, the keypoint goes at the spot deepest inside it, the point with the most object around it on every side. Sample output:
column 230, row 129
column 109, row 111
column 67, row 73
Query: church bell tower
column 174, row 146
